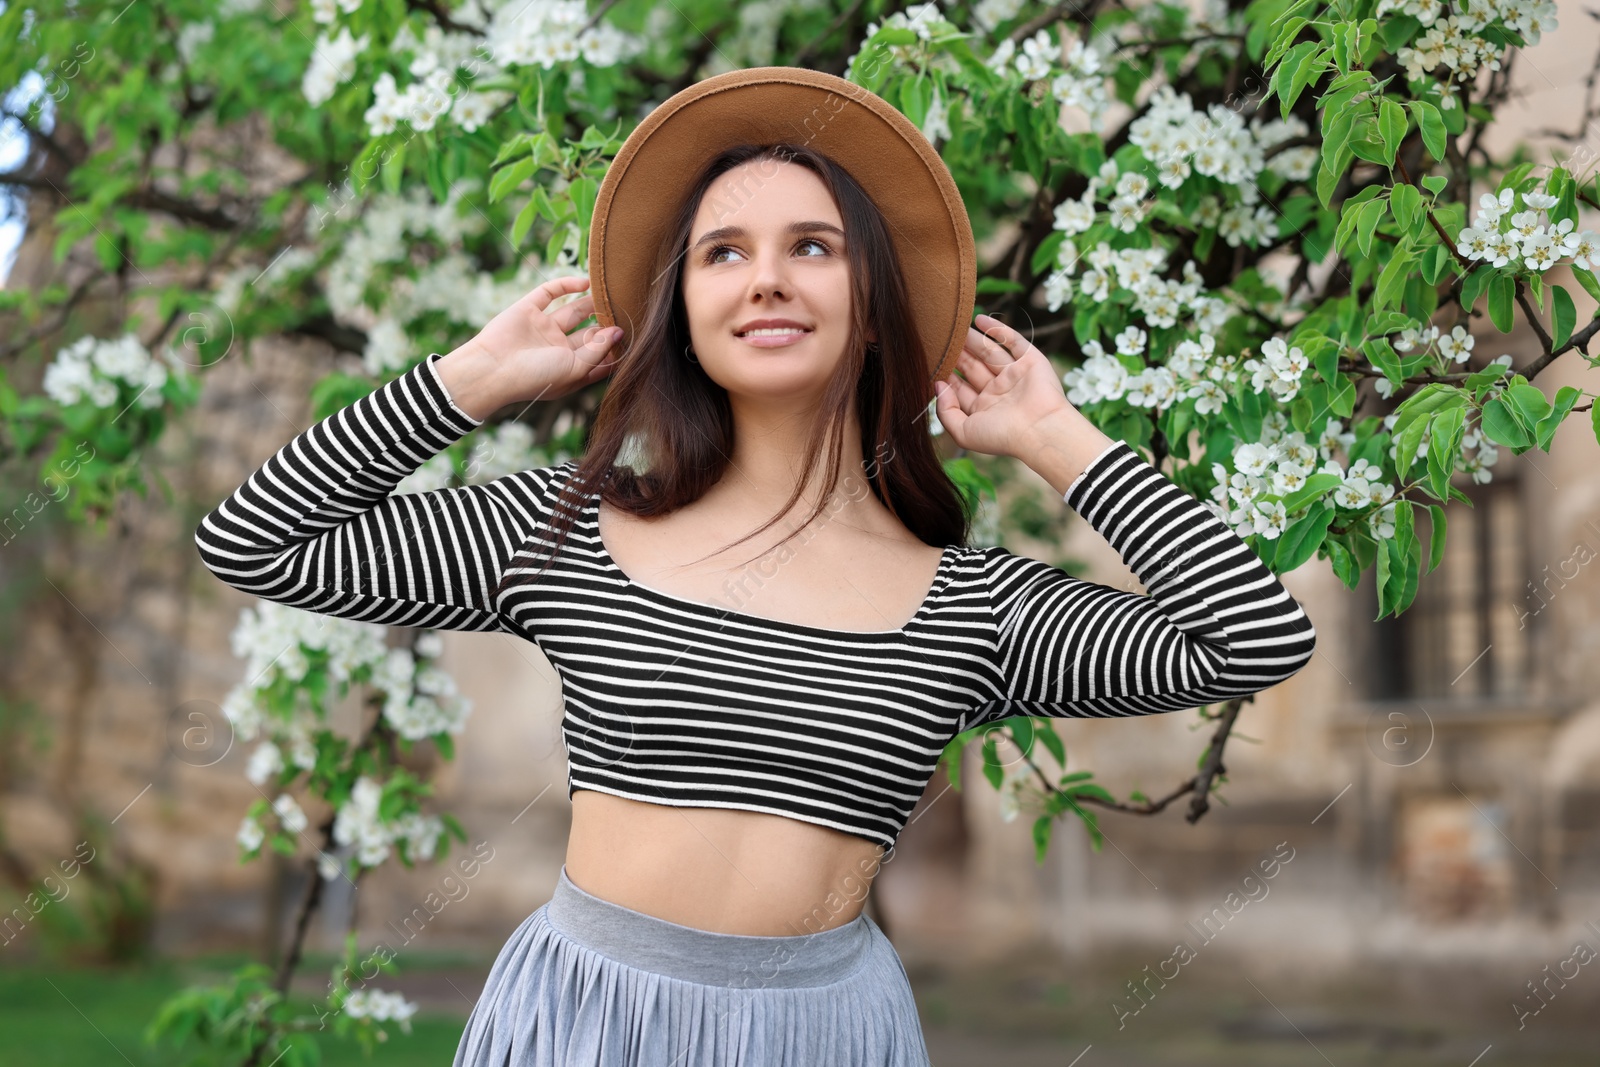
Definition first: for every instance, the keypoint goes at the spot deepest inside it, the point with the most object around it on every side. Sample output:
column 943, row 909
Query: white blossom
column 290, row 817
column 265, row 762
column 333, row 61
column 250, row 836
column 96, row 369
column 1456, row 345
column 380, row 1006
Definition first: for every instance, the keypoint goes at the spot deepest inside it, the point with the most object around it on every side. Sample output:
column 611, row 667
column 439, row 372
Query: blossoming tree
column 1263, row 240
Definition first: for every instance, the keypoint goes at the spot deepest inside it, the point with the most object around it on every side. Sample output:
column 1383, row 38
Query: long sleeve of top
column 671, row 700
column 316, row 526
column 1216, row 623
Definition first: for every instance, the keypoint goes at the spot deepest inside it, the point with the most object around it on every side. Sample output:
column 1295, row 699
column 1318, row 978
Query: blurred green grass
column 67, row 1016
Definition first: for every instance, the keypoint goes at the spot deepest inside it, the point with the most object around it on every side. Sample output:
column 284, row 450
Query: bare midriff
column 719, row 869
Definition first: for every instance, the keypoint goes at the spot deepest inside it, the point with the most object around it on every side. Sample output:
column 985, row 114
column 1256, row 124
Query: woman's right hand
column 533, row 355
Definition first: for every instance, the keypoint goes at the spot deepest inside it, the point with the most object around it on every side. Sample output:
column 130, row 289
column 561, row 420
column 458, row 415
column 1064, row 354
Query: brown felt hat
column 857, row 129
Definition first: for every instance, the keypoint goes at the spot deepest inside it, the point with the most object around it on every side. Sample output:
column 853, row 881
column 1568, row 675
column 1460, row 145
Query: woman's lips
column 773, row 340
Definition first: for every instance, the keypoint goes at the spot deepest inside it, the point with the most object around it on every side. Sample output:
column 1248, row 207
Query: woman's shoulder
column 532, row 491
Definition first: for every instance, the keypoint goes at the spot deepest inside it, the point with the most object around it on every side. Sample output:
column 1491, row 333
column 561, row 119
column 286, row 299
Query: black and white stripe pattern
column 676, row 702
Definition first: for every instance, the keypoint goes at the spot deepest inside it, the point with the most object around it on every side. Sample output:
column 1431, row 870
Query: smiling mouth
column 773, row 336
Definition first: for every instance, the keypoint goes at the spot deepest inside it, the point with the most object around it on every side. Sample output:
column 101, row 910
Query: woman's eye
column 717, row 250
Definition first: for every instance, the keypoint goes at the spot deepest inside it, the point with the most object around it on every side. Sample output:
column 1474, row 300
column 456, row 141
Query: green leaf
column 1387, row 323
column 1371, row 212
column 1405, row 203
column 524, row 220
column 1045, row 731
column 1316, row 485
column 1309, row 70
column 1284, row 40
column 1444, row 445
column 1392, row 126
column 1436, row 526
column 1545, row 429
column 1299, row 542
column 583, row 191
column 1392, row 282
column 1398, row 29
column 1406, row 443
column 1587, row 279
column 1345, row 566
column 1528, row 402
column 1594, row 420
column 1045, row 255
column 433, row 168
column 1041, row 836
column 1487, row 376
column 1475, row 284
column 1382, row 578
column 1368, row 41
column 1022, row 732
column 1435, row 261
column 915, row 96
column 1502, row 299
column 1342, row 34
column 508, row 178
column 1092, row 789
column 1431, row 125
column 1431, row 399
column 1564, row 315
column 1435, row 183
column 1501, row 427
column 517, row 145
column 991, row 761
column 1382, row 355
column 1369, row 146
column 394, row 169
column 1284, row 73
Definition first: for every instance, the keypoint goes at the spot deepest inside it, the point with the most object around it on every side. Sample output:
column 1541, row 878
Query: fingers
column 994, row 342
column 548, row 291
column 959, row 393
column 951, row 417
column 569, row 315
column 601, row 343
column 976, row 371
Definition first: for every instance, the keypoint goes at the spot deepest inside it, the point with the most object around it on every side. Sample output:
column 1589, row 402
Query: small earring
column 689, row 355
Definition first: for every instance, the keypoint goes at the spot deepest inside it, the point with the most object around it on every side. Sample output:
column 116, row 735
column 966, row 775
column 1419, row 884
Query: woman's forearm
column 473, row 379
column 1060, row 448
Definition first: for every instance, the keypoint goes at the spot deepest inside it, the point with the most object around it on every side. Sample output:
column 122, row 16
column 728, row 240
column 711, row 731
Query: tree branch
column 1199, row 783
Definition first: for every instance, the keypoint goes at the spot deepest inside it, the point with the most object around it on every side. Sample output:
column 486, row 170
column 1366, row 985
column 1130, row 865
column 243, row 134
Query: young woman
column 751, row 711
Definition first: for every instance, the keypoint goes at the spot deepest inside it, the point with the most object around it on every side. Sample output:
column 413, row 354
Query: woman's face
column 768, row 243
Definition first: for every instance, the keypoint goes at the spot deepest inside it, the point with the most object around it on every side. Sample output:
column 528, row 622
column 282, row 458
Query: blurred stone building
column 1434, row 779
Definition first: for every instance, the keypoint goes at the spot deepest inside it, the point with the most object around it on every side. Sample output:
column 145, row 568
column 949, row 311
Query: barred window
column 1468, row 634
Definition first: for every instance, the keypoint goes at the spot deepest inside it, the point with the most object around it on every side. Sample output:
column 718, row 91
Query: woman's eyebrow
column 810, row 226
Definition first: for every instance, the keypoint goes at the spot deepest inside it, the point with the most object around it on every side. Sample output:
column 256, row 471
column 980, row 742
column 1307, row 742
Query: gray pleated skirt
column 584, row 982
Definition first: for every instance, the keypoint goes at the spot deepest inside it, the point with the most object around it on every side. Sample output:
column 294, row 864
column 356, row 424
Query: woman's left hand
column 1009, row 389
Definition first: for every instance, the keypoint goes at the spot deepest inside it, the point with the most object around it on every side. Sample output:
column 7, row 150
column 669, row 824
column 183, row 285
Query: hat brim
column 857, row 129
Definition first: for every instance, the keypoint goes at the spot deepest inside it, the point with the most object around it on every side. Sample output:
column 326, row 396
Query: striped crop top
column 676, row 702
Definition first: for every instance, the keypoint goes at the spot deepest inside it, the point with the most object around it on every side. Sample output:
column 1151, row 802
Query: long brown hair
column 663, row 407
